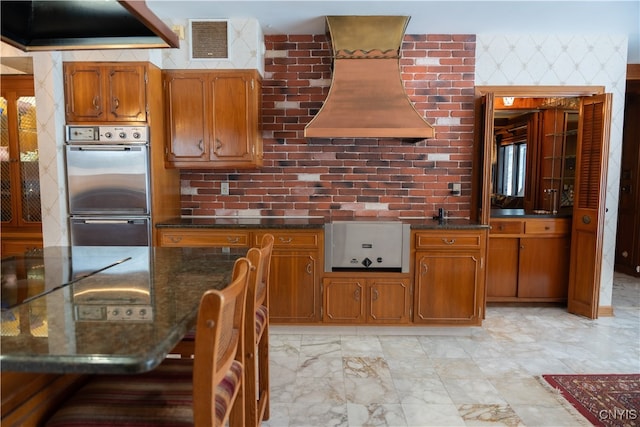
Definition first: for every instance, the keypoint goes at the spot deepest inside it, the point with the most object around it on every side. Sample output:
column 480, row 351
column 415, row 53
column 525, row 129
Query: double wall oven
column 108, row 185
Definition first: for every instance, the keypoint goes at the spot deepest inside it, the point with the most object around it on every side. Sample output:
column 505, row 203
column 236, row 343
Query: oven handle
column 108, row 221
column 105, row 148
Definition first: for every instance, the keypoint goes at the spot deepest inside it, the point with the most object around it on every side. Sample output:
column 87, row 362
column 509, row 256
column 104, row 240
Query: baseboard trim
column 605, row 311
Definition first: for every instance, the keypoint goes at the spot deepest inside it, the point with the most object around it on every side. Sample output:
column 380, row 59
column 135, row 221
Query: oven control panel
column 107, row 134
column 114, row 313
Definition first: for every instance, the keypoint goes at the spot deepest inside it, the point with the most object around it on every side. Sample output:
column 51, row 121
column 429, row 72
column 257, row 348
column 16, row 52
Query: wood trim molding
column 539, row 91
column 605, row 311
column 633, row 71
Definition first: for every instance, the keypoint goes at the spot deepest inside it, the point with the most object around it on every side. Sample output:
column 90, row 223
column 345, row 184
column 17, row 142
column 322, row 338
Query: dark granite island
column 103, row 310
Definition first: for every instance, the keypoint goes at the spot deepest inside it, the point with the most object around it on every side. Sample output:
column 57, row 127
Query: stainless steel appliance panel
column 367, row 245
column 121, row 292
column 108, row 179
column 110, row 231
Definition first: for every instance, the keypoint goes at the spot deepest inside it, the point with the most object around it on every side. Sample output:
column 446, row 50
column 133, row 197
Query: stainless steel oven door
column 110, row 231
column 108, row 179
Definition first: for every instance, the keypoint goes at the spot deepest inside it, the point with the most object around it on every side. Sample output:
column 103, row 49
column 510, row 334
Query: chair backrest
column 219, row 340
column 261, row 259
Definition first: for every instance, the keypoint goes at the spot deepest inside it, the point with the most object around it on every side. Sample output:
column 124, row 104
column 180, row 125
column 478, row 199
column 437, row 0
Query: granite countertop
column 243, row 222
column 416, row 223
column 103, row 310
column 521, row 213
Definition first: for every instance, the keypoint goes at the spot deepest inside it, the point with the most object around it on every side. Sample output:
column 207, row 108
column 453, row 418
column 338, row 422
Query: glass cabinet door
column 29, row 169
column 7, row 183
column 19, row 159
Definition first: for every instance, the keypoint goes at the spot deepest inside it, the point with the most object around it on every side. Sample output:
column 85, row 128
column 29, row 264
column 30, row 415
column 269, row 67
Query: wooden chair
column 256, row 356
column 204, row 391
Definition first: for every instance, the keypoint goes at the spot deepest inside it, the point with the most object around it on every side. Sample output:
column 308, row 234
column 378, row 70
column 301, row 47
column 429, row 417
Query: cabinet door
column 21, row 210
column 230, row 118
column 544, row 267
column 126, row 90
column 502, row 267
column 84, row 89
column 389, row 301
column 293, row 287
column 589, row 210
column 186, row 117
column 446, row 287
column 344, row 300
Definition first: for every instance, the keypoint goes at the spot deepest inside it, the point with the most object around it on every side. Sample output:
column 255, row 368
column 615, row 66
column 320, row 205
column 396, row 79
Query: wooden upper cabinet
column 187, row 122
column 213, row 119
column 105, row 92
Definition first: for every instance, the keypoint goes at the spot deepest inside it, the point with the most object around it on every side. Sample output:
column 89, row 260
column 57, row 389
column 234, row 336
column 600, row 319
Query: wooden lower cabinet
column 370, row 299
column 529, row 263
column 445, row 287
column 449, row 277
column 296, row 265
column 19, row 243
column 294, row 279
column 544, row 267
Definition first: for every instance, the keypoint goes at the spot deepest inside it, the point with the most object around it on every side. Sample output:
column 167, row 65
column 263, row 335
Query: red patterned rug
column 605, row 400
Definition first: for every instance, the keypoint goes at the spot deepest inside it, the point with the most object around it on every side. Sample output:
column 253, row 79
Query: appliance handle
column 107, row 221
column 104, row 148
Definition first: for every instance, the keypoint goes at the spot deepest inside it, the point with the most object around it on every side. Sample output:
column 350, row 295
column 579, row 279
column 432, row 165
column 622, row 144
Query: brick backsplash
column 343, row 178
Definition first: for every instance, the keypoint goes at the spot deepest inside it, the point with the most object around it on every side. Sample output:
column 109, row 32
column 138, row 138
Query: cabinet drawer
column 447, row 240
column 507, row 227
column 547, row 226
column 204, row 238
column 290, row 239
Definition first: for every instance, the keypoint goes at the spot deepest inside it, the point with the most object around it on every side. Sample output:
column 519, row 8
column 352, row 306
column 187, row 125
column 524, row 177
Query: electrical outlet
column 456, row 188
column 224, row 188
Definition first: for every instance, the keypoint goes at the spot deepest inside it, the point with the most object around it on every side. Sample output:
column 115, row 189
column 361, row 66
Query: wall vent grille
column 209, row 39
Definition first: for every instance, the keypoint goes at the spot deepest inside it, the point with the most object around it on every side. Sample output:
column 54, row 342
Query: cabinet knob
column 233, row 239
column 356, row 295
column 448, row 241
column 175, row 239
column 309, row 268
column 95, row 103
column 375, row 294
column 116, row 103
column 283, row 240
column 218, row 144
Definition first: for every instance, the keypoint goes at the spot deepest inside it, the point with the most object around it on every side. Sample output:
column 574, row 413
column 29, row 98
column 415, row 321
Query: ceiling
column 430, row 16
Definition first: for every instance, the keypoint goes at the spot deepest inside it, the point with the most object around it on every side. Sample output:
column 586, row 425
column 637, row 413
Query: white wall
column 561, row 59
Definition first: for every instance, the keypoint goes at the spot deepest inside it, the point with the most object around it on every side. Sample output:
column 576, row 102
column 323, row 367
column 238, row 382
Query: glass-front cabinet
column 21, row 208
column 534, row 156
column 558, row 153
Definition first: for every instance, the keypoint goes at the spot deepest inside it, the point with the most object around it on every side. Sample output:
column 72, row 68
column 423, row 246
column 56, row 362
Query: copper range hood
column 367, row 97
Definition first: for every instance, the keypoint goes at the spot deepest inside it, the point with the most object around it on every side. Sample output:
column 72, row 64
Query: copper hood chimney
column 367, row 97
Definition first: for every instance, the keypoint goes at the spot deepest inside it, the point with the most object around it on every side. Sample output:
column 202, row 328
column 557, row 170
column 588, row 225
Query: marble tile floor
column 459, row 376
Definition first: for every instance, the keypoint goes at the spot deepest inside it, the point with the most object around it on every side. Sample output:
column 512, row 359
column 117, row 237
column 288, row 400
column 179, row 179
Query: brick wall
column 351, row 177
